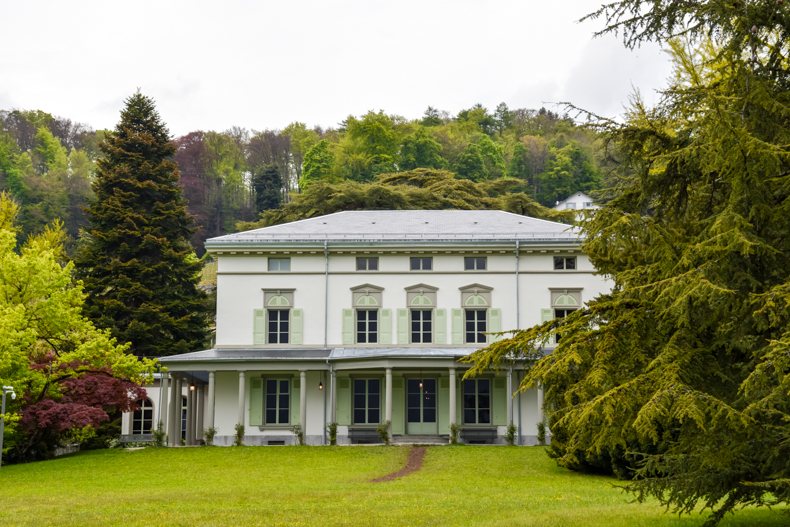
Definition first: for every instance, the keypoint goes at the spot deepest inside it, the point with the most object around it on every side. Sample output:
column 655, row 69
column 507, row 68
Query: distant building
column 578, row 201
column 359, row 318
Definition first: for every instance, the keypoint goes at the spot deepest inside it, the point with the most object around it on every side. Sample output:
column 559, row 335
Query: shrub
column 332, row 430
column 454, row 429
column 384, row 432
column 209, row 434
column 299, row 433
column 239, row 439
column 510, row 436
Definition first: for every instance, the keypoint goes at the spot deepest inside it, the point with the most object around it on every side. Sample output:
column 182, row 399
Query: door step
column 420, row 439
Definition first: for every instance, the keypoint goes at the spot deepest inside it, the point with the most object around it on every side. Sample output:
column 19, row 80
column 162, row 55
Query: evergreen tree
column 679, row 378
column 135, row 259
column 267, row 186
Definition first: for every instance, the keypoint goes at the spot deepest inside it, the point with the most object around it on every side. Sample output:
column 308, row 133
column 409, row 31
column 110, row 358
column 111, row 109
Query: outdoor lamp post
column 6, row 389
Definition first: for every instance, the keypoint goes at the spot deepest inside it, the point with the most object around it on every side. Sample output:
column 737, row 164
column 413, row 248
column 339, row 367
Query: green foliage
column 679, row 378
column 419, row 189
column 454, row 431
column 209, row 435
column 541, row 433
column 238, row 439
column 318, row 163
column 267, row 187
column 383, row 430
column 299, row 433
column 135, row 259
column 159, row 435
column 421, row 150
column 332, row 431
column 510, row 435
column 48, row 347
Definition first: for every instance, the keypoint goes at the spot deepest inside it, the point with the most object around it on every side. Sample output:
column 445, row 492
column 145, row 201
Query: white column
column 175, row 412
column 200, row 409
column 540, row 402
column 242, row 396
column 303, row 401
column 190, row 439
column 452, row 397
column 388, row 397
column 211, row 389
column 332, row 397
column 509, row 397
column 163, row 403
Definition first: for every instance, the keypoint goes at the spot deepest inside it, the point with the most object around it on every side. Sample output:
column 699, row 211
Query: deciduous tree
column 67, row 373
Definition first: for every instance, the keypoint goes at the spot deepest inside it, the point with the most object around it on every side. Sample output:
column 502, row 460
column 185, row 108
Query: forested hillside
column 47, row 162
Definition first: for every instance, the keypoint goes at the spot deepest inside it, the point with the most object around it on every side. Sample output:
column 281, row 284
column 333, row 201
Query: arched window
column 143, row 417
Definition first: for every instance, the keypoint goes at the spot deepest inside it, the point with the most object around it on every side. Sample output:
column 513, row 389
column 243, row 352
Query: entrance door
column 421, row 407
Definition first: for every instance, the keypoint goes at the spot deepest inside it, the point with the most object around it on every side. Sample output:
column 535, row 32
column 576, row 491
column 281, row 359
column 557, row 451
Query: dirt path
column 413, row 464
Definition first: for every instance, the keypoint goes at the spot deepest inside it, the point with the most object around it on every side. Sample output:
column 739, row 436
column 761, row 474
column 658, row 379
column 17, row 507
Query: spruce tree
column 135, row 259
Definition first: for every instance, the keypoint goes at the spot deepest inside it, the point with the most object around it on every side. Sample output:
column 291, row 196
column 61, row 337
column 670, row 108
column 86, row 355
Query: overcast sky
column 262, row 64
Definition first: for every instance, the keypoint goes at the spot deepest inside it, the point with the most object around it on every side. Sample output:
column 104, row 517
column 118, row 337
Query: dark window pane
column 485, row 416
column 428, row 415
column 271, row 415
column 271, row 386
column 414, row 415
column 570, row 263
column 359, row 416
column 373, row 400
column 469, row 416
column 414, row 400
column 283, row 416
column 374, row 386
column 483, row 386
column 373, row 415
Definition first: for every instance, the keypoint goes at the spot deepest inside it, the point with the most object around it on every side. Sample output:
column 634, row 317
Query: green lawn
column 323, row 486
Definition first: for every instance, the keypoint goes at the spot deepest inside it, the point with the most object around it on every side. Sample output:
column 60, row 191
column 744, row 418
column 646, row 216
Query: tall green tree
column 139, row 269
column 267, row 186
column 680, row 377
column 67, row 373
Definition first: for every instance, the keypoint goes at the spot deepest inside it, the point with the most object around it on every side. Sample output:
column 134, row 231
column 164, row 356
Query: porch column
column 388, row 397
column 173, row 430
column 163, row 404
column 211, row 389
column 190, row 439
column 332, row 397
column 303, row 401
column 540, row 402
column 509, row 396
column 242, row 397
column 200, row 410
column 452, row 397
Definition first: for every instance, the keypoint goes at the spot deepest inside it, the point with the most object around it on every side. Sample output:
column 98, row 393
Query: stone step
column 420, row 440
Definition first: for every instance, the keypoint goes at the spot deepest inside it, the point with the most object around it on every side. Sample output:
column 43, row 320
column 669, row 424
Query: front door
column 421, row 407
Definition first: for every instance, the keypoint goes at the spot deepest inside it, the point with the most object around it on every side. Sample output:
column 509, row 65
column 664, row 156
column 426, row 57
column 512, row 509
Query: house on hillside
column 578, row 202
column 359, row 318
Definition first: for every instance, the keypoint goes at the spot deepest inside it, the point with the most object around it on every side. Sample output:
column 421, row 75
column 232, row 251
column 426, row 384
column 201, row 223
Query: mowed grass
column 494, row 486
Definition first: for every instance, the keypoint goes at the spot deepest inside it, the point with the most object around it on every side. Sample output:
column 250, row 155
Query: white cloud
column 263, row 64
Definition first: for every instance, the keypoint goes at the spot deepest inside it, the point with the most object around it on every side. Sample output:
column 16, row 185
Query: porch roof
column 314, row 354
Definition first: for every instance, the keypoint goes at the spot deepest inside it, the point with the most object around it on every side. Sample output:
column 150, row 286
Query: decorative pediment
column 421, row 288
column 367, row 288
column 476, row 288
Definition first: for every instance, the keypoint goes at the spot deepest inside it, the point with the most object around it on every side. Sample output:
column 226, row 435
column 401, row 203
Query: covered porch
column 280, row 395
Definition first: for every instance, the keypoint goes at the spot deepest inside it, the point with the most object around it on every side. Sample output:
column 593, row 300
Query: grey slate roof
column 247, row 354
column 321, row 354
column 409, row 226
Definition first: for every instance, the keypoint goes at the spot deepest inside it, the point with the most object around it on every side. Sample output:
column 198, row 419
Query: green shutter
column 546, row 315
column 256, row 401
column 441, row 326
column 499, row 401
column 458, row 326
column 297, row 326
column 295, row 395
column 403, row 326
column 494, row 323
column 343, row 409
column 385, row 326
column 258, row 326
column 348, row 326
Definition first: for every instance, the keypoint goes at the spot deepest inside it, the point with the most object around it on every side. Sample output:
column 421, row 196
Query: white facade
column 579, row 201
column 327, row 320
